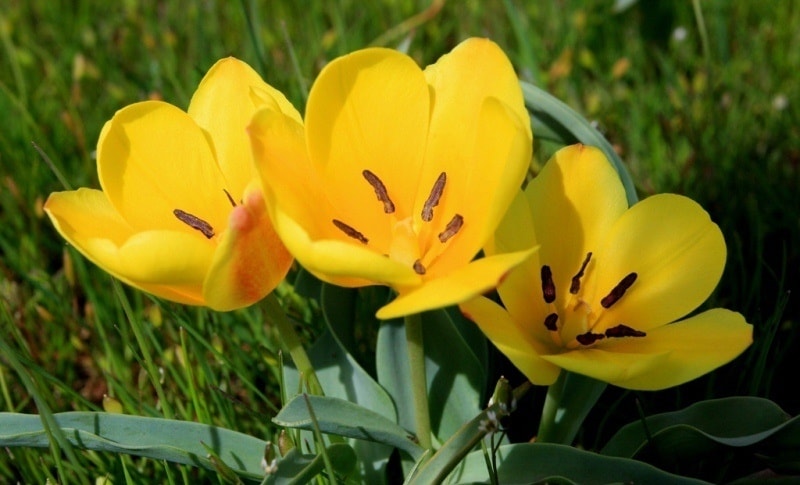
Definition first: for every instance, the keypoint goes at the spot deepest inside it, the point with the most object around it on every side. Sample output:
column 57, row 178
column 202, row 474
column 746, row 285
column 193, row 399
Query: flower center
column 405, row 244
column 579, row 312
column 197, row 223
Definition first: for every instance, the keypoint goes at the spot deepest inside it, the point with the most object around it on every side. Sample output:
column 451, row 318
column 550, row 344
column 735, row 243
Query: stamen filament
column 230, row 198
column 194, row 222
column 380, row 191
column 575, row 286
column 433, row 198
column 618, row 290
column 548, row 286
column 350, row 231
column 452, row 228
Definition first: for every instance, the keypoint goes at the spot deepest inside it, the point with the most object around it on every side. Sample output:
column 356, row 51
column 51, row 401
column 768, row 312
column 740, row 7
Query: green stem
column 419, row 382
column 568, row 401
column 292, row 342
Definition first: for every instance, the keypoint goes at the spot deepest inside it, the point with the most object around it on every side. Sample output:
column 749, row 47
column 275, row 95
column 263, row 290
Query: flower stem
column 568, row 401
column 419, row 382
column 291, row 341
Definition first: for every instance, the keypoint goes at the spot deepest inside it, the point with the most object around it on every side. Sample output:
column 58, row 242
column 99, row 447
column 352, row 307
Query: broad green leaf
column 710, row 426
column 456, row 376
column 524, row 463
column 344, row 418
column 441, row 463
column 163, row 439
column 553, row 120
column 342, row 377
column 296, row 468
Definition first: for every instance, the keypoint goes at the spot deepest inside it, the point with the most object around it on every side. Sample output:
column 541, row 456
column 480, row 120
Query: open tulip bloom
column 600, row 295
column 181, row 214
column 400, row 175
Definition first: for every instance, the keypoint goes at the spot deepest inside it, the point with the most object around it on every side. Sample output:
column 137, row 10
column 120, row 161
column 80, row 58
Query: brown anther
column 433, row 198
column 380, row 191
column 350, row 231
column 575, row 286
column 623, row 331
column 418, row 267
column 618, row 291
column 452, row 228
column 589, row 338
column 194, row 222
column 548, row 287
column 230, row 199
column 551, row 322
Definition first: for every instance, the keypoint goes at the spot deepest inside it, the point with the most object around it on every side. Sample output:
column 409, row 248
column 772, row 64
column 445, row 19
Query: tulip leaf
column 342, row 377
column 344, row 418
column 175, row 441
column 710, row 426
column 553, row 120
column 453, row 451
column 298, row 468
column 551, row 463
column 456, row 376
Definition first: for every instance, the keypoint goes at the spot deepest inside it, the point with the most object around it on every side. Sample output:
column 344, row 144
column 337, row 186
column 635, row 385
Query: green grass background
column 716, row 120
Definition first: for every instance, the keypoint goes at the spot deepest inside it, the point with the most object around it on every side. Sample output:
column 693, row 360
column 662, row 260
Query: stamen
column 230, row 199
column 618, row 291
column 452, row 228
column 194, row 222
column 380, row 191
column 418, row 268
column 433, row 198
column 589, row 338
column 550, row 322
column 350, row 231
column 623, row 331
column 548, row 287
column 575, row 286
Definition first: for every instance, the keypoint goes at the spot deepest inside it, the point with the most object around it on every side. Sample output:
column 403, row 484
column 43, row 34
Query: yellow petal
column 481, row 183
column 152, row 158
column 524, row 351
column 223, row 105
column 338, row 262
column 688, row 350
column 574, row 202
column 460, row 285
column 369, row 111
column 250, row 260
column 87, row 220
column 677, row 252
column 607, row 365
column 289, row 180
column 480, row 136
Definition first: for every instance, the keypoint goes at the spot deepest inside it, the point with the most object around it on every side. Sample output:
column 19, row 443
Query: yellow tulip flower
column 181, row 214
column 600, row 296
column 400, row 175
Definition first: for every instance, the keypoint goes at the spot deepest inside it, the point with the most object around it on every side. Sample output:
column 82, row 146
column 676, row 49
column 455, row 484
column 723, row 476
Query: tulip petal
column 225, row 101
column 289, row 180
column 152, row 158
column 609, row 366
column 88, row 221
column 524, row 351
column 341, row 263
column 480, row 136
column 480, row 186
column 460, row 285
column 250, row 260
column 691, row 348
column 677, row 252
column 369, row 111
column 574, row 201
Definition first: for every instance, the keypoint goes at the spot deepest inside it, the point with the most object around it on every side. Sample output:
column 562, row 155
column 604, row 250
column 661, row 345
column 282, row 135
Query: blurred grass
column 723, row 130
